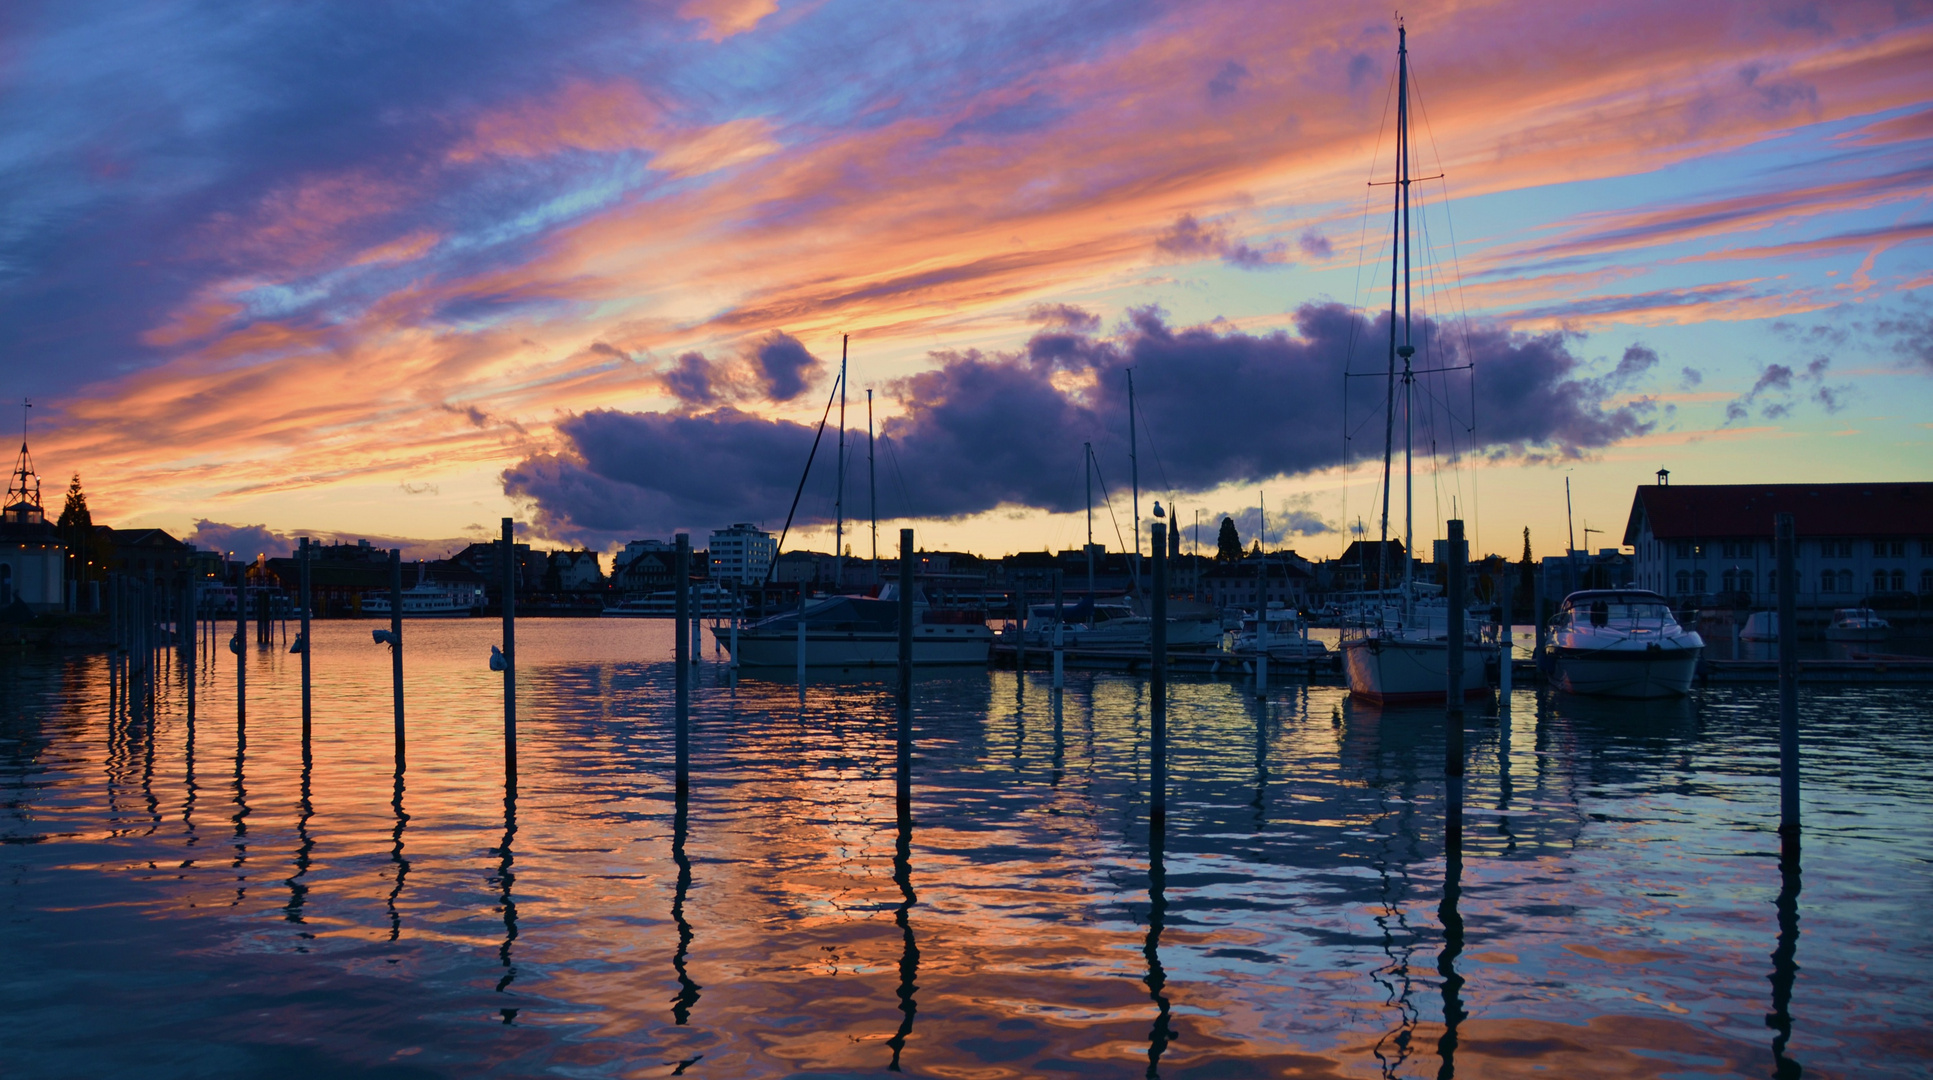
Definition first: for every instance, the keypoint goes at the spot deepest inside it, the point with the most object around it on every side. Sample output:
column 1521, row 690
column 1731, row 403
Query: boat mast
column 872, row 482
column 1134, row 470
column 839, row 496
column 1406, row 350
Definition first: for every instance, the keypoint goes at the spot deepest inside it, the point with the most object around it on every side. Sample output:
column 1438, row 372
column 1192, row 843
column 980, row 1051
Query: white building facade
column 1711, row 544
column 742, row 554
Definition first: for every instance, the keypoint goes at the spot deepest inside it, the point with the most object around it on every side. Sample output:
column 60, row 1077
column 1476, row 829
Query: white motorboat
column 1621, row 643
column 1760, row 626
column 1857, row 624
column 859, row 631
column 708, row 602
column 1285, row 632
column 1117, row 624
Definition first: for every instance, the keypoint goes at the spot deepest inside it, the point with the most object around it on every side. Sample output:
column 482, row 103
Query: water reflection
column 687, row 989
column 1615, row 924
column 909, row 953
column 1785, row 966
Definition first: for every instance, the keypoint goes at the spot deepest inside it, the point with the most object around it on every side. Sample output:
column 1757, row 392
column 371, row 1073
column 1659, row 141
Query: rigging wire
column 1108, row 500
column 772, row 569
column 1355, row 296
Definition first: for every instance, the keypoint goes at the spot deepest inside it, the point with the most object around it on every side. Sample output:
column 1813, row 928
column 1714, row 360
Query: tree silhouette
column 1228, row 546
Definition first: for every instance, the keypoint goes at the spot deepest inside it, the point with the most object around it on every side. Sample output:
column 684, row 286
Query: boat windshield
column 1621, row 613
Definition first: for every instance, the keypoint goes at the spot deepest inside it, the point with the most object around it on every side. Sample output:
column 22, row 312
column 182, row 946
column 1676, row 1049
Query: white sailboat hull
column 1395, row 670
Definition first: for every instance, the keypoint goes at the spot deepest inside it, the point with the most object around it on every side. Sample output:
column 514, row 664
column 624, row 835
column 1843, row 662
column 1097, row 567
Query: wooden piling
column 905, row 703
column 1785, row 544
column 1020, row 638
column 1262, row 629
column 508, row 564
column 1506, row 645
column 1158, row 684
column 304, row 553
column 191, row 641
column 396, row 650
column 1060, row 622
column 239, row 646
column 1453, row 691
column 681, row 653
column 801, row 647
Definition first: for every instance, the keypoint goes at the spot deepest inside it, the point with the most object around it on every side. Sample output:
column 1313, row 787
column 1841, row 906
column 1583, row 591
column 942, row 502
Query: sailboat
column 1398, row 650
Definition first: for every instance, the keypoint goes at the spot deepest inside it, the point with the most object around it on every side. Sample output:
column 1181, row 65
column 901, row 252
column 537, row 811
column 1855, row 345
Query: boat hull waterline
column 1395, row 671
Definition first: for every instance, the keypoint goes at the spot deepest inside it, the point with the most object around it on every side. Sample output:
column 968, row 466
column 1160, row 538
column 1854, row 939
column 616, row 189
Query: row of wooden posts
column 140, row 611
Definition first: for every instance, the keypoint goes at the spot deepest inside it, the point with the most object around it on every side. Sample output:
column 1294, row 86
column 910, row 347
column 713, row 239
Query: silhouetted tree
column 1527, row 582
column 1228, row 546
column 76, row 527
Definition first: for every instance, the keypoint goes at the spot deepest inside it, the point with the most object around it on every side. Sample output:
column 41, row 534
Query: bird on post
column 1158, row 512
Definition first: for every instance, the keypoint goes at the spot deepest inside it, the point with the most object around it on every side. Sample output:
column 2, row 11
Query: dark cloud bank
column 982, row 431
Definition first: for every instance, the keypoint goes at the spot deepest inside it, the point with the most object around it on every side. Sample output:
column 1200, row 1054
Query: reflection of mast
column 909, row 955
column 505, row 878
column 396, row 855
column 687, row 989
column 1162, row 1033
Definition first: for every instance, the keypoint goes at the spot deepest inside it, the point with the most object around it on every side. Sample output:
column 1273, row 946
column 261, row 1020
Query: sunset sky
column 398, row 270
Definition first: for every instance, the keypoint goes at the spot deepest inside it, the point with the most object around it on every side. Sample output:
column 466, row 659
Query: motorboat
column 858, row 631
column 1622, row 643
column 1284, row 631
column 1857, row 624
column 1116, row 624
column 708, row 601
column 1760, row 626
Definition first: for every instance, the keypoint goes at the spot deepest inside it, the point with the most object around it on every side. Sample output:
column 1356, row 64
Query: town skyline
column 596, row 277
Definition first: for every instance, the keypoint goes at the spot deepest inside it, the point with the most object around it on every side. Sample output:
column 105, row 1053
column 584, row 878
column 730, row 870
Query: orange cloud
column 725, row 18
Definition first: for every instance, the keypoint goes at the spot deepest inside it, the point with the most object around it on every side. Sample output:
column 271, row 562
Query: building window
column 1926, row 549
column 1926, row 582
column 1845, row 581
column 1699, row 580
column 1684, row 549
column 1731, row 581
column 1899, row 549
column 1899, row 581
column 1827, row 582
column 1879, row 581
column 1745, row 581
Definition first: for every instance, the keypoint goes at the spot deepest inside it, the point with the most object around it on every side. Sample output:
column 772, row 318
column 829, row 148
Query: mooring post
column 1786, row 544
column 1262, row 629
column 801, row 649
column 1506, row 643
column 396, row 647
column 1453, row 691
column 191, row 643
column 1060, row 641
column 681, row 654
column 509, row 567
column 239, row 646
column 1020, row 640
column 302, row 639
column 1537, row 617
column 905, row 740
column 1158, row 684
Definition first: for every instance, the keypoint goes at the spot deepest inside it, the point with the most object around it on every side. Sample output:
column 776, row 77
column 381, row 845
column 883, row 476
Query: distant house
column 1280, row 578
column 1363, row 564
column 741, row 554
column 1712, row 543
column 140, row 552
column 575, row 571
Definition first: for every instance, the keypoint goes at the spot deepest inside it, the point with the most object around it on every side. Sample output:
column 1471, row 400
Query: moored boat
column 1284, row 632
column 859, row 631
column 1857, row 624
column 1620, row 643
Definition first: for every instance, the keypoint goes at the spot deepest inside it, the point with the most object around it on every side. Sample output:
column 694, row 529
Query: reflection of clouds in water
column 1301, row 907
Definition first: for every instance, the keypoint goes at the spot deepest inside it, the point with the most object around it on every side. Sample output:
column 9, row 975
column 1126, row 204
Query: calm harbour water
column 180, row 901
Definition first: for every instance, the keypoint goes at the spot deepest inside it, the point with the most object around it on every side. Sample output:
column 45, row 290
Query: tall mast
column 872, row 482
column 1134, row 470
column 1087, row 469
column 1406, row 350
column 839, row 497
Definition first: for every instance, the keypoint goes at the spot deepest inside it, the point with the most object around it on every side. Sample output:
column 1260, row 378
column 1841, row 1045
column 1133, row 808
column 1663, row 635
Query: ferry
column 1621, row 643
column 420, row 601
